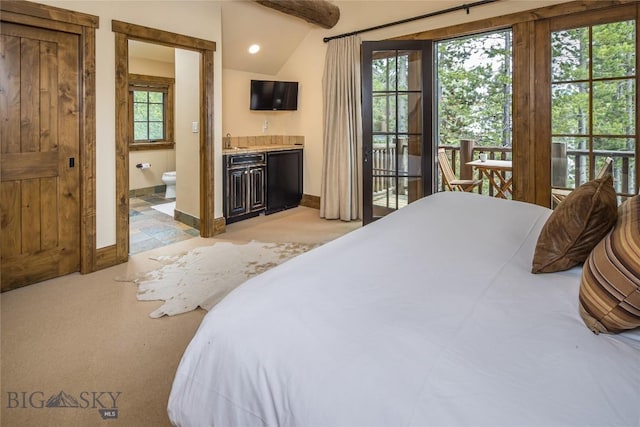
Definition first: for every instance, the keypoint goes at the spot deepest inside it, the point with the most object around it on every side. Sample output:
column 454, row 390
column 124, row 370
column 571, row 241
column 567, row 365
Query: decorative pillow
column 578, row 223
column 610, row 286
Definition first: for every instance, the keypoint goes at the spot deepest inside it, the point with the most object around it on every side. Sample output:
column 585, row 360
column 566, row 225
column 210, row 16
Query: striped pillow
column 610, row 286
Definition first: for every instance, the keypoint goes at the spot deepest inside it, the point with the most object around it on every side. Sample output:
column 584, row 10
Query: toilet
column 169, row 178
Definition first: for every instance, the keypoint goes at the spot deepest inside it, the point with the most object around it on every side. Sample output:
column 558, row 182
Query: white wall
column 193, row 18
column 239, row 120
column 150, row 67
column 160, row 161
column 187, row 142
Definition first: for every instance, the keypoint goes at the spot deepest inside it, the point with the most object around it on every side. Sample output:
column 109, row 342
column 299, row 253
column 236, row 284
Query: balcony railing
column 575, row 161
column 572, row 170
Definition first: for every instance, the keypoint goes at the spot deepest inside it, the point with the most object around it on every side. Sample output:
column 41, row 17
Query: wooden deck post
column 559, row 164
column 466, row 155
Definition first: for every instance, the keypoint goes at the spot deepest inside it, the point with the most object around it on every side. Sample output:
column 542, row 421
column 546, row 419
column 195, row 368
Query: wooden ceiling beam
column 318, row 12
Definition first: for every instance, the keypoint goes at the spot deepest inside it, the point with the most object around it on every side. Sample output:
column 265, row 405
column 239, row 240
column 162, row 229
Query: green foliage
column 148, row 115
column 593, row 100
column 474, row 87
column 611, row 90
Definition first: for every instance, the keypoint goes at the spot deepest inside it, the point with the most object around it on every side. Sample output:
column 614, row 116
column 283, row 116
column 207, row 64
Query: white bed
column 429, row 316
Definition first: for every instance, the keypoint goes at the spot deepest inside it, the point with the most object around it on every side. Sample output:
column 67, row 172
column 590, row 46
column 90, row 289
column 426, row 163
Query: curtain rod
column 465, row 7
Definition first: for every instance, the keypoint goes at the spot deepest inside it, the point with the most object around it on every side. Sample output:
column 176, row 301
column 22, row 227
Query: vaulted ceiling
column 246, row 22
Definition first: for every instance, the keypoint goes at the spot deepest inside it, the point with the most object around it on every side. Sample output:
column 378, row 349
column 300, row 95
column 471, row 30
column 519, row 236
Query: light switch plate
column 195, row 127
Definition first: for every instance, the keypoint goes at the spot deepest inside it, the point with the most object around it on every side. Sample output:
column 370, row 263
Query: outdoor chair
column 559, row 194
column 449, row 178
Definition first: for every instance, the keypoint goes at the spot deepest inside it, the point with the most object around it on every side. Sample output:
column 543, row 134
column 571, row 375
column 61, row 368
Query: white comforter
column 429, row 316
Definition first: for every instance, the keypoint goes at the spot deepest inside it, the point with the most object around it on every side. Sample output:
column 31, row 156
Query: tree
column 474, row 87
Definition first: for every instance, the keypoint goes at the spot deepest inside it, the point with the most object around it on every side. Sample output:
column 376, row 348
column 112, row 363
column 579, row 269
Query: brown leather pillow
column 576, row 226
column 610, row 285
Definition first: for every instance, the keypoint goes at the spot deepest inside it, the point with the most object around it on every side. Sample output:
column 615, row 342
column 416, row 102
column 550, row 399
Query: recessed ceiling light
column 254, row 48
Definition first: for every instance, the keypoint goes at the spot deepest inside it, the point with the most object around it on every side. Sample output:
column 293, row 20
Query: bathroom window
column 151, row 112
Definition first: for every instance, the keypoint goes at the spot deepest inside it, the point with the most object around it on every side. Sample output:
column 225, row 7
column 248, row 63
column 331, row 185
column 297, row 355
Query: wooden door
column 39, row 146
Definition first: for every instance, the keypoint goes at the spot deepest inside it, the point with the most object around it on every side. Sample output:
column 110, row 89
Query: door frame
column 123, row 33
column 84, row 26
column 428, row 144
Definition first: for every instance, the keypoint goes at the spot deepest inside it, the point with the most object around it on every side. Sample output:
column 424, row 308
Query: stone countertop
column 260, row 149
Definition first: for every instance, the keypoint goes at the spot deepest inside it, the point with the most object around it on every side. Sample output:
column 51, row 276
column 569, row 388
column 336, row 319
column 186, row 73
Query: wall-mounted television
column 274, row 95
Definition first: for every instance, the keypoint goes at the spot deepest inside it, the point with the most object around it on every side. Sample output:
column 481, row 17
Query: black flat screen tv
column 274, row 95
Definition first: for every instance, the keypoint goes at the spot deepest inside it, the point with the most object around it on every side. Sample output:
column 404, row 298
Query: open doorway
column 202, row 51
column 474, row 97
column 164, row 105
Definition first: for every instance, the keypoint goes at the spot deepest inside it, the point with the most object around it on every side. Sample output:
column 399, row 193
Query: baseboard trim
column 310, row 201
column 187, row 219
column 219, row 225
column 147, row 191
column 106, row 257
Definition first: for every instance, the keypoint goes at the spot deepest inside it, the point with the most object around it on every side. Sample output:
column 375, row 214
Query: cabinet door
column 284, row 180
column 256, row 188
column 237, row 187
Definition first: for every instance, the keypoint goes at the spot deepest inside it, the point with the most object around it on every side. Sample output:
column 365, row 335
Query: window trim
column 589, row 19
column 166, row 85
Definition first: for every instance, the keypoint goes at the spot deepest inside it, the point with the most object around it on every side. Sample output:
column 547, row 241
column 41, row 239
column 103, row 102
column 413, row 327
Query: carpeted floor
column 79, row 343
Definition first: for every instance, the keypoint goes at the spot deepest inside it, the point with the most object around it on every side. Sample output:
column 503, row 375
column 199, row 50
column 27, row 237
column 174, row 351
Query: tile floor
column 150, row 228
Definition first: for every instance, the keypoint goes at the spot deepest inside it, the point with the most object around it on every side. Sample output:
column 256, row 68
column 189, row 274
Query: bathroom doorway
column 204, row 187
column 163, row 102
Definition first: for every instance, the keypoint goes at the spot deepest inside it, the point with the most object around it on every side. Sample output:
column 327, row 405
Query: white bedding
column 429, row 316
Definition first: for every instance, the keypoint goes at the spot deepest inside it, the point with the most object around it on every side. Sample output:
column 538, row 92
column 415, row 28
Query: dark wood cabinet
column 261, row 182
column 244, row 183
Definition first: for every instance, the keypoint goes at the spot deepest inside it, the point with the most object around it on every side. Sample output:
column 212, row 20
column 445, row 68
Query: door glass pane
column 570, row 112
column 383, row 155
column 403, row 68
column 384, row 112
column 409, row 71
column 414, row 190
column 410, row 155
column 409, row 112
column 614, row 107
column 384, row 70
column 614, row 50
column 570, row 55
column 384, row 195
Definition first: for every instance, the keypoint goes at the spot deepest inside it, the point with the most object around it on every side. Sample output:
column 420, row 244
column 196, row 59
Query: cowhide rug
column 205, row 275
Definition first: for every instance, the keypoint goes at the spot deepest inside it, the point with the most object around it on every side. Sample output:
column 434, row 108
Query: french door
column 397, row 125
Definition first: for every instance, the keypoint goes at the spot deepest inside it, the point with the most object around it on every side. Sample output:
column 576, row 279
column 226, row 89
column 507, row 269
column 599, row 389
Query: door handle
column 72, row 162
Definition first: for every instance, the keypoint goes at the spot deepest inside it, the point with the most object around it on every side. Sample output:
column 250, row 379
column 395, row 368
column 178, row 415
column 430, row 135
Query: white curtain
column 341, row 191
